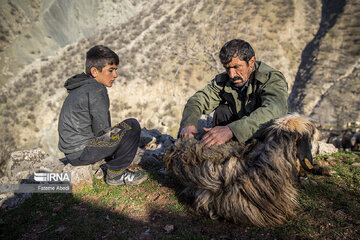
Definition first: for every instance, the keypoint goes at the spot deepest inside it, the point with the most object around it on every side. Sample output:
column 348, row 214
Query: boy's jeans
column 118, row 146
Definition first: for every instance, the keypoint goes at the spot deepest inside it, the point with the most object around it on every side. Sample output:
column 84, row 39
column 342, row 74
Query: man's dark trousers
column 118, row 146
column 223, row 116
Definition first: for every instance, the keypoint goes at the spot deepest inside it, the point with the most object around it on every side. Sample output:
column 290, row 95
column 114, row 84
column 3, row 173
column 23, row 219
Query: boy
column 85, row 133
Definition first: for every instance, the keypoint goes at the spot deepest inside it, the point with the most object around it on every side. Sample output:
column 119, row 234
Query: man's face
column 239, row 71
column 107, row 76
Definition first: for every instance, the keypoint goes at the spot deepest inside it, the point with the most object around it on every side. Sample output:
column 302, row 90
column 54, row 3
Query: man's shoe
column 127, row 177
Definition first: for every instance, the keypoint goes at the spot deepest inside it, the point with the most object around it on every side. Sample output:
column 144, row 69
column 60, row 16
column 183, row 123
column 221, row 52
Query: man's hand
column 189, row 131
column 217, row 135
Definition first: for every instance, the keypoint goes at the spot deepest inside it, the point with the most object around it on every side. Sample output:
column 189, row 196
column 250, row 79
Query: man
column 85, row 133
column 244, row 98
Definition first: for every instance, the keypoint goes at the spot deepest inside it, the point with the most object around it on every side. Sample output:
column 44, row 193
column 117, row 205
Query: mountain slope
column 35, row 29
column 327, row 85
column 168, row 50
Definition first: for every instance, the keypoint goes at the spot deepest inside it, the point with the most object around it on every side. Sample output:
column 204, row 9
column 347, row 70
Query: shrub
column 25, row 123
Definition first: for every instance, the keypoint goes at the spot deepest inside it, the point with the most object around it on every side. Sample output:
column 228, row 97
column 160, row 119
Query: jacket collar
column 258, row 74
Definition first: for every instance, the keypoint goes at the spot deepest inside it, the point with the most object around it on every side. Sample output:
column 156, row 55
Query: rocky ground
column 23, row 164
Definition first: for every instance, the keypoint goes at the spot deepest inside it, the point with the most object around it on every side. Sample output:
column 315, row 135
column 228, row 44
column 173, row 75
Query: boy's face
column 107, row 76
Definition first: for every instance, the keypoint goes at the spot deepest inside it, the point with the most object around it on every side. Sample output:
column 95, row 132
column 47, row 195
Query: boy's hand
column 189, row 131
column 217, row 135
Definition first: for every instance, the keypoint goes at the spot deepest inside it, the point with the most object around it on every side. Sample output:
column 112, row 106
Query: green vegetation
column 329, row 209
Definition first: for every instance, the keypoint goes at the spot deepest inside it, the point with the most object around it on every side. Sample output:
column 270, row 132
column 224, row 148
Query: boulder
column 327, row 148
column 23, row 164
column 80, row 174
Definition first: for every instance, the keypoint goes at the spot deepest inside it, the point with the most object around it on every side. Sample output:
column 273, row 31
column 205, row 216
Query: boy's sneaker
column 126, row 177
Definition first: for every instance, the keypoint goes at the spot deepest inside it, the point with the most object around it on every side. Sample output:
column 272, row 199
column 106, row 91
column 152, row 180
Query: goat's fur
column 250, row 183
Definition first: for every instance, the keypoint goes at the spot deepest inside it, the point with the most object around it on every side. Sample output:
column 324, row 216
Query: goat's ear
column 303, row 153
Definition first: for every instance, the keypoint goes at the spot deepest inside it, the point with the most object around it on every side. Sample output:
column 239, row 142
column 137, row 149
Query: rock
column 79, row 174
column 23, row 164
column 98, row 169
column 314, row 183
column 146, row 234
column 326, row 148
column 16, row 199
column 304, row 181
column 4, row 180
column 138, row 156
column 340, row 213
column 60, row 229
column 169, row 228
column 356, row 164
column 4, row 197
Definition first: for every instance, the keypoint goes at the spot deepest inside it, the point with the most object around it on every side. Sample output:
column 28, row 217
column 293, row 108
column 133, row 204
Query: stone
column 340, row 213
column 14, row 200
column 23, row 164
column 138, row 156
column 314, row 183
column 79, row 174
column 169, row 228
column 326, row 148
column 4, row 196
column 304, row 181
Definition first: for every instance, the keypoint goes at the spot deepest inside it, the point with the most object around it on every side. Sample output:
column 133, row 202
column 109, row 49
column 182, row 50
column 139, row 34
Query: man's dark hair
column 236, row 48
column 99, row 56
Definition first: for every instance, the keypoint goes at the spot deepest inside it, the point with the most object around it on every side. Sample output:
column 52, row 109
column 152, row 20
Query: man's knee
column 222, row 115
column 134, row 124
column 223, row 109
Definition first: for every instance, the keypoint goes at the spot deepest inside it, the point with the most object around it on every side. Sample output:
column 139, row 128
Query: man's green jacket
column 265, row 100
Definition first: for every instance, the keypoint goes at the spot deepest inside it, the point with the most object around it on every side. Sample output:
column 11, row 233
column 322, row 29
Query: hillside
column 36, row 29
column 327, row 84
column 168, row 50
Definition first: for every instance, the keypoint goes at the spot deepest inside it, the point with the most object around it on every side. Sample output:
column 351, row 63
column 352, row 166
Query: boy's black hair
column 236, row 48
column 99, row 56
